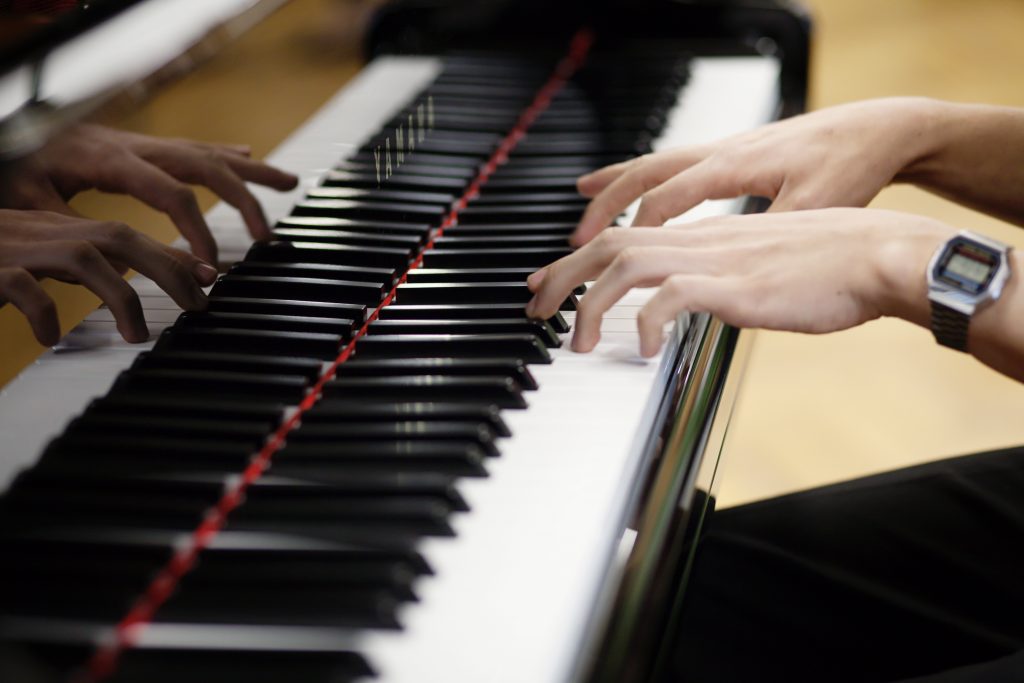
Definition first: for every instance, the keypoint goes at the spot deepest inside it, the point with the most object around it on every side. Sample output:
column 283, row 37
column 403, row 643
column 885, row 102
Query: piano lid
column 777, row 28
column 61, row 59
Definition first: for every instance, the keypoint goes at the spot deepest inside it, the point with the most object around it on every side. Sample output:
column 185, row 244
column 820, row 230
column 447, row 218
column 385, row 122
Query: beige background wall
column 812, row 410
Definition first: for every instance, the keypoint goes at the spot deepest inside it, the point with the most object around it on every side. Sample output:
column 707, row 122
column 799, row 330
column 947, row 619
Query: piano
column 363, row 462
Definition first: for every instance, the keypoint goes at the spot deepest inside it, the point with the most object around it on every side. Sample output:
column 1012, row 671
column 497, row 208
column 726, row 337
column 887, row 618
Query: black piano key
column 398, row 311
column 459, row 458
column 147, row 454
column 265, row 412
column 437, row 146
column 396, row 367
column 611, row 147
column 346, row 517
column 314, row 309
column 458, row 137
column 394, row 574
column 228, row 362
column 192, row 427
column 523, row 346
column 423, row 162
column 259, row 321
column 360, row 485
column 353, row 225
column 259, row 342
column 39, row 597
column 447, row 91
column 497, row 185
column 419, row 166
column 301, row 288
column 386, row 194
column 566, row 198
column 338, row 410
column 290, row 388
column 343, row 208
column 452, row 242
column 531, row 172
column 504, row 392
column 497, row 258
column 563, row 230
column 206, row 487
column 195, row 603
column 236, row 663
column 481, row 293
column 410, row 430
column 475, row 275
column 584, row 161
column 549, row 213
column 398, row 181
column 240, row 549
column 102, row 547
column 315, row 270
column 351, row 238
column 90, row 508
column 540, row 328
column 337, row 254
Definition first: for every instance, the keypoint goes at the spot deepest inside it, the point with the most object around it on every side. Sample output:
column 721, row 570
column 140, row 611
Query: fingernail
column 205, row 273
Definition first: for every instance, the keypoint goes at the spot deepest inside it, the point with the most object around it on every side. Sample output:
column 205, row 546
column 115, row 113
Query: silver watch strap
column 950, row 326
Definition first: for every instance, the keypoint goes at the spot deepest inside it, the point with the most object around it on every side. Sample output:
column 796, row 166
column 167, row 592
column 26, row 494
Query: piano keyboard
column 340, row 470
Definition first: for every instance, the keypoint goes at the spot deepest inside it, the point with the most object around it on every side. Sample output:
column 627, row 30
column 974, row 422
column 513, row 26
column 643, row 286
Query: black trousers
column 914, row 575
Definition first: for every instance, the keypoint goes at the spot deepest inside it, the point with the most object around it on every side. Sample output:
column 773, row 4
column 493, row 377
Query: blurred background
column 813, row 409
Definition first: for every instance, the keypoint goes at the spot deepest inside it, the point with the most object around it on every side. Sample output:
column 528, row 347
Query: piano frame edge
column 634, row 632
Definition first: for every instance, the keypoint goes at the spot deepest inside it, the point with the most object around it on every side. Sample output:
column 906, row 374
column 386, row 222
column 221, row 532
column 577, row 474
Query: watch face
column 967, row 265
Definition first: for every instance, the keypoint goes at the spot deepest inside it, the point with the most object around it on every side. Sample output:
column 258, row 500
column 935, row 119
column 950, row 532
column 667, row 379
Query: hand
column 842, row 156
column 150, row 169
column 806, row 271
column 36, row 244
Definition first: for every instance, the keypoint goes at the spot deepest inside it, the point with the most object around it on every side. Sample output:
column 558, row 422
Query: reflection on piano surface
column 363, row 459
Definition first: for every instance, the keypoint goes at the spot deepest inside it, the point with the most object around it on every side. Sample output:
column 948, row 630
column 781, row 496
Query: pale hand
column 841, row 156
column 806, row 271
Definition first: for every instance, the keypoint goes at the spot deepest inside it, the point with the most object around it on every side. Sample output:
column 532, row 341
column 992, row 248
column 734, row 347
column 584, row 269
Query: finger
column 640, row 176
column 709, row 179
column 261, row 173
column 633, row 267
column 21, row 289
column 229, row 187
column 176, row 272
column 590, row 184
column 215, row 171
column 152, row 185
column 678, row 294
column 80, row 261
column 555, row 282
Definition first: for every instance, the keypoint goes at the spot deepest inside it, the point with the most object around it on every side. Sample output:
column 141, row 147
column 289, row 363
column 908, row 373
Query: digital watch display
column 966, row 273
column 968, row 265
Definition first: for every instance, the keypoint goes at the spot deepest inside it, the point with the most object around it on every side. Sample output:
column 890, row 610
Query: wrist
column 899, row 277
column 925, row 127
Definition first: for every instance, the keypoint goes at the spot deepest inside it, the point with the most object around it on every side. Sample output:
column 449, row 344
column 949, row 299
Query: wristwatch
column 966, row 274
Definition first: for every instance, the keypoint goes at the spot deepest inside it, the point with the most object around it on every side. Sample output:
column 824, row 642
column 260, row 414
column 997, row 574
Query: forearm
column 976, row 157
